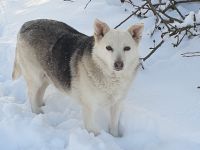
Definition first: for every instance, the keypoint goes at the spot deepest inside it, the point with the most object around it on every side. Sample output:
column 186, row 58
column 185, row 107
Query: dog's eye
column 109, row 48
column 127, row 48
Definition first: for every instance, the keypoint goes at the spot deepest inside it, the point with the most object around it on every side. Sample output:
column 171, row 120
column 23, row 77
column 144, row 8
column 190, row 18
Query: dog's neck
column 99, row 73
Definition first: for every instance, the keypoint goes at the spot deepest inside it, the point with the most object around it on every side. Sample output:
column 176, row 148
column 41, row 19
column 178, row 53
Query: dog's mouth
column 118, row 69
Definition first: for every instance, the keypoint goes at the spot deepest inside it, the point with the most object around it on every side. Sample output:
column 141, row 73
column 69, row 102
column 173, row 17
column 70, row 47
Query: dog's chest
column 102, row 89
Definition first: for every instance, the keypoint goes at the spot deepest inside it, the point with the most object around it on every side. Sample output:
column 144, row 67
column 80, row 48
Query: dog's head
column 114, row 48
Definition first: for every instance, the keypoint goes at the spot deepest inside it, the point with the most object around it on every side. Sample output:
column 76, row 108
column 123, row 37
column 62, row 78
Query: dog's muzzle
column 118, row 65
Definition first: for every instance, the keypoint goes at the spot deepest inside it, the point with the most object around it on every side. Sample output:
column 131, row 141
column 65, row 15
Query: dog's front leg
column 115, row 111
column 89, row 119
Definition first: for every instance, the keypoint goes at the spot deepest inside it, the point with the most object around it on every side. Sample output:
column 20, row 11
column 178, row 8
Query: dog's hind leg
column 16, row 68
column 36, row 92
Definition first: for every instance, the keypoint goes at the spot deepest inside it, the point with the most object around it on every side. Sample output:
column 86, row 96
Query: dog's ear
column 136, row 31
column 100, row 29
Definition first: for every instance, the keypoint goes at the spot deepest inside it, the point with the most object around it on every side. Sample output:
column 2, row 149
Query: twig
column 173, row 2
column 141, row 63
column 69, row 0
column 179, row 41
column 190, row 54
column 179, row 2
column 179, row 30
column 134, row 13
column 157, row 14
column 87, row 4
column 186, row 1
column 153, row 51
column 124, row 20
column 172, row 18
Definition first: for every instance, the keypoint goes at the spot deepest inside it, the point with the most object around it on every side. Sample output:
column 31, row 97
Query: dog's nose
column 118, row 65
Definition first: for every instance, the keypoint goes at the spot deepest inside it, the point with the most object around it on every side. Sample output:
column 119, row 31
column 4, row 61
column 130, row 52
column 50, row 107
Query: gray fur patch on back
column 54, row 44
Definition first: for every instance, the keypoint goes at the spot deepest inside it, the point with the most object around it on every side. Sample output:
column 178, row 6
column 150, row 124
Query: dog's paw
column 37, row 110
column 115, row 132
column 95, row 131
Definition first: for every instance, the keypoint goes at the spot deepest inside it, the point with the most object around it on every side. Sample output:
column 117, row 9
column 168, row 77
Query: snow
column 191, row 19
column 161, row 111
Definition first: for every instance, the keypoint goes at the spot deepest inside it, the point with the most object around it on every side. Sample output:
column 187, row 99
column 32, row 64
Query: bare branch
column 179, row 40
column 124, row 20
column 179, row 30
column 87, row 4
column 69, row 0
column 172, row 19
column 173, row 4
column 186, row 1
column 179, row 2
column 165, row 24
column 152, row 8
column 153, row 51
column 190, row 54
column 134, row 13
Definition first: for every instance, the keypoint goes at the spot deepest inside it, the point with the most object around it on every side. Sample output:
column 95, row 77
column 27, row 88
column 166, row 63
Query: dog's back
column 54, row 44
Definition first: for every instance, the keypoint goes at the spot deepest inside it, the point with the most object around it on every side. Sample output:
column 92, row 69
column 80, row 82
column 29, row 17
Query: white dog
column 97, row 70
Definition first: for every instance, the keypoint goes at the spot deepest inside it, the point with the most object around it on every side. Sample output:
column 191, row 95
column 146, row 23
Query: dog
column 97, row 70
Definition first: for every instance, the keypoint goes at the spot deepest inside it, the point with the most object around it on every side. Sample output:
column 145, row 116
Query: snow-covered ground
column 161, row 112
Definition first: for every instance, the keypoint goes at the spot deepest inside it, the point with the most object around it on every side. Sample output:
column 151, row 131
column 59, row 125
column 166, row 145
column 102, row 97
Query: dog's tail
column 16, row 69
